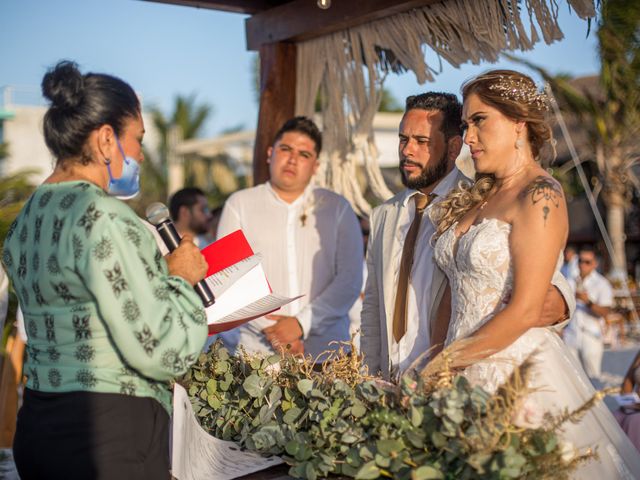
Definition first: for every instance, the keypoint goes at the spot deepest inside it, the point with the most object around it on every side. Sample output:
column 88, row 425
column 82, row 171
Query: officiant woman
column 110, row 322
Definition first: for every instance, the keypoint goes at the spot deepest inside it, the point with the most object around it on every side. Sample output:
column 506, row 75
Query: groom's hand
column 554, row 310
column 287, row 330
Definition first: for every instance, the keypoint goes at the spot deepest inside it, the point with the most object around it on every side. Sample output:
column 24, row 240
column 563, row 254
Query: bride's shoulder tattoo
column 545, row 190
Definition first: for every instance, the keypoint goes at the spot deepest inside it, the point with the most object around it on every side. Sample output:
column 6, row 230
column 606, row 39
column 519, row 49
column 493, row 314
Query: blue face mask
column 128, row 185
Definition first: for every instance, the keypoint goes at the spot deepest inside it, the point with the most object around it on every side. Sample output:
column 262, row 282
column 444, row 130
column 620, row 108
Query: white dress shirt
column 583, row 322
column 416, row 340
column 313, row 247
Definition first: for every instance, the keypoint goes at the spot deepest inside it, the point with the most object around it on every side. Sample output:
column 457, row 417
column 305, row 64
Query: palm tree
column 187, row 117
column 611, row 115
column 186, row 121
column 389, row 103
column 15, row 189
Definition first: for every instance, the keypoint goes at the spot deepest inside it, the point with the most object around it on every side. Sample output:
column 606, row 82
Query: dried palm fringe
column 349, row 67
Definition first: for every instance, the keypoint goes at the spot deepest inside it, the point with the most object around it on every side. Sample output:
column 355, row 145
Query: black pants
column 86, row 435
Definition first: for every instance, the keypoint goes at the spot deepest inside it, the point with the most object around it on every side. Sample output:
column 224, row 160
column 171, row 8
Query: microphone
column 158, row 216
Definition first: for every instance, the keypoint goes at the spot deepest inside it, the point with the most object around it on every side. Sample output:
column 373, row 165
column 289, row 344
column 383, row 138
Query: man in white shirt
column 430, row 139
column 190, row 212
column 594, row 295
column 310, row 243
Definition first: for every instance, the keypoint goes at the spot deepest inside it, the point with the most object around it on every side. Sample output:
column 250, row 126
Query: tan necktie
column 406, row 262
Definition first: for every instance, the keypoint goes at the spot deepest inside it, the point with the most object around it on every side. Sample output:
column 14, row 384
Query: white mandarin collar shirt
column 416, row 340
column 583, row 321
column 312, row 246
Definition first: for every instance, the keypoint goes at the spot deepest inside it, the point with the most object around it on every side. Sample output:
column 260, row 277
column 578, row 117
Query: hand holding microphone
column 185, row 260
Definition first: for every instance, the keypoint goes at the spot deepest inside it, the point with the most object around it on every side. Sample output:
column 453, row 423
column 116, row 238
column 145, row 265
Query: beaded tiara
column 519, row 90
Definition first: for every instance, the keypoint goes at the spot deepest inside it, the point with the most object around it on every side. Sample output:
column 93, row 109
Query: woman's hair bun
column 63, row 85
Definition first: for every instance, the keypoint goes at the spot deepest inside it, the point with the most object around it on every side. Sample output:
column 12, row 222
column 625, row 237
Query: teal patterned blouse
column 101, row 311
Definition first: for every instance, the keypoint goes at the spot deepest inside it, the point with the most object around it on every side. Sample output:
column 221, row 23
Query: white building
column 22, row 110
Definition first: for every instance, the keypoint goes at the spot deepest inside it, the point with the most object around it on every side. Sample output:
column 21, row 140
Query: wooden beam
column 234, row 6
column 277, row 101
column 303, row 19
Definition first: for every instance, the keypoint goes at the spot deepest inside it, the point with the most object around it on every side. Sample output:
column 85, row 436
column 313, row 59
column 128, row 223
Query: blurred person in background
column 594, row 297
column 190, row 212
column 629, row 416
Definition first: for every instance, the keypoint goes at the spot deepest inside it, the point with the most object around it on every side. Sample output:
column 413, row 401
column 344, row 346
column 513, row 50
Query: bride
column 499, row 242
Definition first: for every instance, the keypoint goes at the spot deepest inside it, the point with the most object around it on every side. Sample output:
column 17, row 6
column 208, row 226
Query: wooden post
column 277, row 100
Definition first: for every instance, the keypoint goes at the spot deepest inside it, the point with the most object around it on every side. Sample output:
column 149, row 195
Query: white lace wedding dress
column 480, row 273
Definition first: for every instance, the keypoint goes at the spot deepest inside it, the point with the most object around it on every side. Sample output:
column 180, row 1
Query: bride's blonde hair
column 515, row 95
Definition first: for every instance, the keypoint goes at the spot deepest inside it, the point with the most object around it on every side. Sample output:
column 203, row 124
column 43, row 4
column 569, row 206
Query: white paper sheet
column 196, row 455
column 258, row 308
column 220, row 281
column 249, row 288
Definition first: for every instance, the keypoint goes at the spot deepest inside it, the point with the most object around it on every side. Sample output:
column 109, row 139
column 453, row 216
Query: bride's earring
column 519, row 144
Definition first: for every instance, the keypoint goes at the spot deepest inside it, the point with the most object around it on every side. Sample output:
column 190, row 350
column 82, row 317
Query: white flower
column 529, row 415
column 567, row 451
column 273, row 369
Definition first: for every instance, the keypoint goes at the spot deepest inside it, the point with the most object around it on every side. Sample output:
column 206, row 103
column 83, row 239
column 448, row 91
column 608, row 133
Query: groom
column 404, row 285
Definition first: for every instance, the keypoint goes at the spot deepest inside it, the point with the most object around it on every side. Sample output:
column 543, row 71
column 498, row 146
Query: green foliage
column 338, row 423
column 187, row 119
column 187, row 116
column 389, row 103
column 14, row 191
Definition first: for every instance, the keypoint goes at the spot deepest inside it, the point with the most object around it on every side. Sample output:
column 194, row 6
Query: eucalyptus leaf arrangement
column 342, row 422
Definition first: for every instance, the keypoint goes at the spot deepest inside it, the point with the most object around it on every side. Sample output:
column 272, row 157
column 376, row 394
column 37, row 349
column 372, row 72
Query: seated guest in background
column 190, row 212
column 311, row 244
column 629, row 417
column 110, row 321
column 594, row 297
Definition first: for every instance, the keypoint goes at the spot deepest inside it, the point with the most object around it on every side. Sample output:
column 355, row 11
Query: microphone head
column 157, row 213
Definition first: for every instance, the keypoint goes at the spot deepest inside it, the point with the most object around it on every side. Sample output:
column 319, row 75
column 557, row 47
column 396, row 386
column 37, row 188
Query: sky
column 165, row 50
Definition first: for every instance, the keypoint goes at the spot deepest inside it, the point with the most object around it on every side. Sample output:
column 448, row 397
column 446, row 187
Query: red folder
column 223, row 254
column 227, row 251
